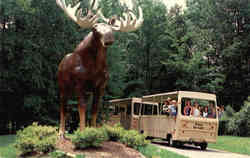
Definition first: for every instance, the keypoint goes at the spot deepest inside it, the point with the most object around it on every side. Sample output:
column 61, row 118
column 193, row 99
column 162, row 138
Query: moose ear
column 93, row 29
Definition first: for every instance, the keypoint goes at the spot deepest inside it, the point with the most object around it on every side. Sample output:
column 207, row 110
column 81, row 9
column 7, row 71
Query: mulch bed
column 108, row 149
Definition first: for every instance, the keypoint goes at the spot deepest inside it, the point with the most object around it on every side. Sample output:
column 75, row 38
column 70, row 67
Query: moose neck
column 98, row 51
column 92, row 49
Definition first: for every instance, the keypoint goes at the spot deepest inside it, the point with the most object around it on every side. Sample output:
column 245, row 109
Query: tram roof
column 161, row 97
column 124, row 101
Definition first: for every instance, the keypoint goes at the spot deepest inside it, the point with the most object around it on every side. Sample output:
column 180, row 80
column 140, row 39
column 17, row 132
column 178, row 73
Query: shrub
column 114, row 133
column 242, row 121
column 236, row 123
column 222, row 127
column 36, row 138
column 133, row 139
column 130, row 138
column 90, row 137
column 228, row 116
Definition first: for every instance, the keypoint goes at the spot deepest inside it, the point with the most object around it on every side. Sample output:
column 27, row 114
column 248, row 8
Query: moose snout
column 108, row 39
column 109, row 43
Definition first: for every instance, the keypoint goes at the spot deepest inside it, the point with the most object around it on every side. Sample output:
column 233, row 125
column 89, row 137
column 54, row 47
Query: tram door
column 126, row 116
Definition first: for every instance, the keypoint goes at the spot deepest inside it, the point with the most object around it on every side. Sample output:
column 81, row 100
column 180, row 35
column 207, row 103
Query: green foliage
column 61, row 154
column 145, row 49
column 115, row 133
column 223, row 34
column 237, row 123
column 80, row 156
column 152, row 151
column 90, row 137
column 30, row 53
column 58, row 154
column 133, row 139
column 36, row 138
column 117, row 7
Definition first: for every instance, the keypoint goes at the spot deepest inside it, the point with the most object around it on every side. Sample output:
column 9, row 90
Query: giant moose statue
column 85, row 70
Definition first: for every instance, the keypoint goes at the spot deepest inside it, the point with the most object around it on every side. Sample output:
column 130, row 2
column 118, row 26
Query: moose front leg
column 96, row 101
column 82, row 111
column 82, row 104
column 63, row 102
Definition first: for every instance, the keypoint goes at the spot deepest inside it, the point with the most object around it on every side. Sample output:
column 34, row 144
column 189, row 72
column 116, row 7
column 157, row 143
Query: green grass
column 232, row 144
column 7, row 150
column 151, row 151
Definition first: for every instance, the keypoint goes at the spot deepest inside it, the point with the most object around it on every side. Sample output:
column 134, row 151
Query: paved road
column 195, row 152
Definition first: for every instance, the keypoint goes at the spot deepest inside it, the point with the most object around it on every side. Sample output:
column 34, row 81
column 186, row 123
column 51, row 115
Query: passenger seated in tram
column 196, row 110
column 188, row 109
column 165, row 106
column 173, row 108
column 205, row 111
column 211, row 110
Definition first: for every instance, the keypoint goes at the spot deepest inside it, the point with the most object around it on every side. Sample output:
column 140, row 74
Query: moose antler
column 84, row 22
column 128, row 24
column 130, row 21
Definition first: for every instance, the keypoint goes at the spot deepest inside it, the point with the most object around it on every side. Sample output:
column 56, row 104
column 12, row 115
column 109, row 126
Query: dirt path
column 195, row 152
column 108, row 149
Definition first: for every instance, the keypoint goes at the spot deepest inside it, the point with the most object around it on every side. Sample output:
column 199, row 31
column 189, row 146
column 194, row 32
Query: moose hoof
column 61, row 136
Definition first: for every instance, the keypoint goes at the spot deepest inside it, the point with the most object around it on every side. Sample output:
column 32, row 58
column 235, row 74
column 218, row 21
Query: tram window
column 122, row 109
column 161, row 109
column 129, row 109
column 198, row 108
column 136, row 108
column 116, row 110
column 147, row 109
column 182, row 106
column 155, row 110
column 143, row 109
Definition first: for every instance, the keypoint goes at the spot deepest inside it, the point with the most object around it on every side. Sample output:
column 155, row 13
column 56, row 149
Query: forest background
column 204, row 47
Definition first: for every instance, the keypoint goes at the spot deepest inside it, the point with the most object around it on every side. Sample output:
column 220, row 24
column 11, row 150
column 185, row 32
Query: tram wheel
column 171, row 142
column 203, row 146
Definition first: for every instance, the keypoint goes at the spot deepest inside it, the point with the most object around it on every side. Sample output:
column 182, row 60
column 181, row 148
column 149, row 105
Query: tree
column 144, row 48
column 32, row 44
column 226, row 24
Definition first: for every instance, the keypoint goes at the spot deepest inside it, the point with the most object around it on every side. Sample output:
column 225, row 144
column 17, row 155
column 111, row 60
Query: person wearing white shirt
column 196, row 111
column 205, row 112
